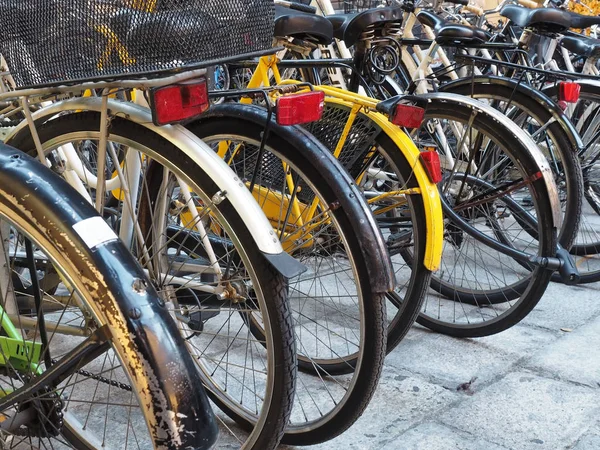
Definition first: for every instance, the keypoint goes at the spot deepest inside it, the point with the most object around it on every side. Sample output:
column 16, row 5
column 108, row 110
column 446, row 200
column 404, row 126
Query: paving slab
column 590, row 440
column 525, row 411
column 566, row 307
column 451, row 362
column 401, row 401
column 572, row 357
column 436, row 436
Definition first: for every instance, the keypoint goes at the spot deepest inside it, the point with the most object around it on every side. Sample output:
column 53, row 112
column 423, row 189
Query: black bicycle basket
column 48, row 42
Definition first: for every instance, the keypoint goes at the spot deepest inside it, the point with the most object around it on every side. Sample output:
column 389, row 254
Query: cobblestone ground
column 535, row 386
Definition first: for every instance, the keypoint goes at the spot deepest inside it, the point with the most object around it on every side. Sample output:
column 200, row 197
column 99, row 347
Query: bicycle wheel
column 382, row 172
column 202, row 259
column 338, row 319
column 537, row 120
column 490, row 172
column 79, row 370
column 584, row 115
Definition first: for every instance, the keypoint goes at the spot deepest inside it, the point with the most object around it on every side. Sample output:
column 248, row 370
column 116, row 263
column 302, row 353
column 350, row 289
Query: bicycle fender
column 534, row 150
column 462, row 86
column 230, row 186
column 346, row 195
column 434, row 216
column 141, row 327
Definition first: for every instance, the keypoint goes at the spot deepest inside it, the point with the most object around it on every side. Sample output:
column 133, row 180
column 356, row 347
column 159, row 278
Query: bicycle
column 85, row 337
column 223, row 265
column 518, row 297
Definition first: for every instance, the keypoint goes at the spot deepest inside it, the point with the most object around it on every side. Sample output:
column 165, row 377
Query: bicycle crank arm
column 84, row 353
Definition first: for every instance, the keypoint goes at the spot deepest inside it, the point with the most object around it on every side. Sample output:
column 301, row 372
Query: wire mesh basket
column 47, row 42
column 353, row 6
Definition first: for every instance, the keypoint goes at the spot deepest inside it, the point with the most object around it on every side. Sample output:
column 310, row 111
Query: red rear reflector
column 408, row 116
column 178, row 102
column 568, row 91
column 431, row 161
column 300, row 108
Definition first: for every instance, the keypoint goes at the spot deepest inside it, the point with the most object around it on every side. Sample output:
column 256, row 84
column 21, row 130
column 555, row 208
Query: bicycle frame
column 359, row 104
column 195, row 149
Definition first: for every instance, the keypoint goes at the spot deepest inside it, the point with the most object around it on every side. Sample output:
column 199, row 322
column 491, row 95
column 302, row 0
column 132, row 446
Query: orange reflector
column 179, row 102
column 300, row 108
column 408, row 116
column 431, row 161
column 568, row 91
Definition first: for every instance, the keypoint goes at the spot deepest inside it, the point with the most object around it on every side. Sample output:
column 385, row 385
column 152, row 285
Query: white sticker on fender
column 94, row 231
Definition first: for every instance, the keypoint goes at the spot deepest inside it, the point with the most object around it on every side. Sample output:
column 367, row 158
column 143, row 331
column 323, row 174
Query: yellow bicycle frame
column 359, row 104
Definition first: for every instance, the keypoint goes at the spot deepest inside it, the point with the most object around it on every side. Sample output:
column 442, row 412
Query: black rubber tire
column 589, row 93
column 373, row 304
column 274, row 286
column 420, row 275
column 43, row 208
column 532, row 288
column 573, row 178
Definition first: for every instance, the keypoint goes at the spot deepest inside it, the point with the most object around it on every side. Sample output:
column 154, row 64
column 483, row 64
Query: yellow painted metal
column 434, row 216
column 275, row 206
column 365, row 105
column 113, row 45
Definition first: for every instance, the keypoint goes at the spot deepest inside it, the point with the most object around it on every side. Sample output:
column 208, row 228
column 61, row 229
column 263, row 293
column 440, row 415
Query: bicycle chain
column 105, row 380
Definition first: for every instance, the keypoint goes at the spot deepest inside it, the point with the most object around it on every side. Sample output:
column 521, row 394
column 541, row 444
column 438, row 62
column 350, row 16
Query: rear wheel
column 384, row 175
column 585, row 116
column 202, row 259
column 65, row 301
column 490, row 172
column 339, row 320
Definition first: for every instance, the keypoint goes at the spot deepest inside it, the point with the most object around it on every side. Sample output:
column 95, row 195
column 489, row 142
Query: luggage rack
column 108, row 40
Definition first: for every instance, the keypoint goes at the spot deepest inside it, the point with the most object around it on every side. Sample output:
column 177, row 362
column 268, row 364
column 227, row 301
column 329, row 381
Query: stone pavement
column 535, row 386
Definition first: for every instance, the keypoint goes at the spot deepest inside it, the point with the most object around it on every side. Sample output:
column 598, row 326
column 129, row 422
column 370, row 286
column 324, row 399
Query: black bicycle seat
column 349, row 27
column 449, row 33
column 581, row 45
column 549, row 20
column 581, row 21
column 308, row 27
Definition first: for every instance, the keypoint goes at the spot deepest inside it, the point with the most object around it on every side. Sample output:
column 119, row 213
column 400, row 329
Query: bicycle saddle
column 132, row 25
column 308, row 27
column 581, row 45
column 349, row 27
column 581, row 21
column 550, row 20
column 449, row 33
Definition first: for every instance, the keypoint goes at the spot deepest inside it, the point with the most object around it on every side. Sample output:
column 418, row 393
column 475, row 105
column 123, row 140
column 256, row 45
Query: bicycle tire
column 228, row 123
column 45, row 211
column 572, row 178
column 530, row 289
column 588, row 245
column 280, row 378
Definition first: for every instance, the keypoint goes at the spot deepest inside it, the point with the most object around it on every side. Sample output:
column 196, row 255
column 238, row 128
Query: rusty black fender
column 345, row 195
column 143, row 333
column 463, row 87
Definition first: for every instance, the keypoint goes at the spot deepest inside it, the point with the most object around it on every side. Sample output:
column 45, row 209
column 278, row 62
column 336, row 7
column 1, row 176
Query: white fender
column 219, row 172
column 532, row 147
